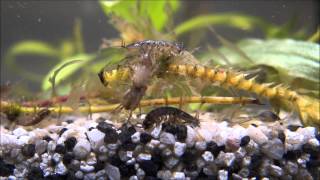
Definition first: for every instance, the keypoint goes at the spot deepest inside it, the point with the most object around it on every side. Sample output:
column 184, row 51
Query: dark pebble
column 189, row 155
column 292, row 154
column 101, row 119
column 191, row 167
column 156, row 157
column 149, row 167
column 60, row 148
column 145, row 138
column 318, row 137
column 62, row 131
column 67, row 158
column 293, row 127
column 6, row 169
column 213, row 148
column 57, row 177
column 181, row 133
column 69, row 121
column 234, row 167
column 115, row 160
column 104, row 127
column 128, row 146
column 256, row 160
column 244, row 141
column 91, row 128
column 126, row 133
column 127, row 170
column 53, row 163
column 282, row 137
column 111, row 137
column 47, row 138
column 313, row 164
column 169, row 128
column 150, row 178
column 28, row 150
column 99, row 165
column 310, row 149
column 70, row 143
column 35, row 173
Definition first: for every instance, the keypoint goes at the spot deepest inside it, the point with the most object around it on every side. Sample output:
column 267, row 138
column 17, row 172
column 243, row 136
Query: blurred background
column 56, row 22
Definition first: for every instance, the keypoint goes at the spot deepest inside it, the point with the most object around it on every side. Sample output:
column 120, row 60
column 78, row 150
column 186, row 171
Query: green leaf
column 67, row 71
column 28, row 47
column 32, row 47
column 124, row 9
column 235, row 20
column 132, row 11
column 157, row 11
column 292, row 59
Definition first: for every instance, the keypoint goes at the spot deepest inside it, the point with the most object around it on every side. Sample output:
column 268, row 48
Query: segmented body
column 308, row 108
column 33, row 119
column 164, row 48
column 168, row 114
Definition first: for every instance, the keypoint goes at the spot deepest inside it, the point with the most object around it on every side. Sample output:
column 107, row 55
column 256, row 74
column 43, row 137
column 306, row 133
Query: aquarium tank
column 163, row 89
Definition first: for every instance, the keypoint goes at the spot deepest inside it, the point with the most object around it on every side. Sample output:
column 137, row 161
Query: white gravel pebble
column 61, row 169
column 86, row 168
column 82, row 149
column 257, row 135
column 135, row 138
column 143, row 156
column 133, row 178
column 223, row 175
column 274, row 149
column 156, row 131
column 8, row 141
column 112, row 172
column 12, row 178
column 140, row 173
column 153, row 143
column 19, row 132
column 225, row 158
column 307, row 132
column 167, row 138
column 51, row 146
column 112, row 147
column 171, row 162
column 207, row 156
column 294, row 140
column 314, row 142
column 164, row 174
column 56, row 157
column 41, row 146
column 275, row 170
column 96, row 138
column 201, row 145
column 79, row 174
column 191, row 136
column 23, row 140
column 178, row 176
column 179, row 148
column 103, row 149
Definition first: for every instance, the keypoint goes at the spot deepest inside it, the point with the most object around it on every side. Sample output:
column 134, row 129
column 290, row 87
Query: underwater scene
column 160, row 89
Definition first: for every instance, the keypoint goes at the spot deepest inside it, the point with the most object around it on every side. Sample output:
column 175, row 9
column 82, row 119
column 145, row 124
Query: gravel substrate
column 98, row 149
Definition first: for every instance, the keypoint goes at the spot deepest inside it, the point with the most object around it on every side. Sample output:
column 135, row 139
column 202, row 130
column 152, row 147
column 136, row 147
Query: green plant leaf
column 155, row 11
column 235, row 20
column 28, row 47
column 67, row 71
column 123, row 9
column 292, row 59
